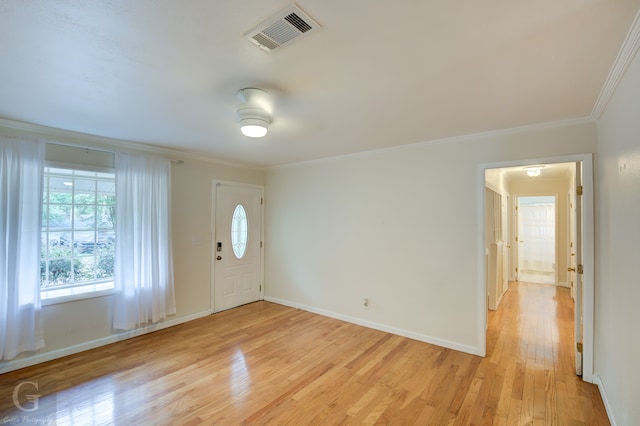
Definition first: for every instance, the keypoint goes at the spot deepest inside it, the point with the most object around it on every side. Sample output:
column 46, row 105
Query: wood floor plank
column 265, row 363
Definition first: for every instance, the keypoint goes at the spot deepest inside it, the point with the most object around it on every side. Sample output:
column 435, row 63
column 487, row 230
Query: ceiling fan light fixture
column 254, row 112
column 254, row 128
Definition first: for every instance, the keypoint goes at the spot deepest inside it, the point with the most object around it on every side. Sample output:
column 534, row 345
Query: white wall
column 398, row 227
column 82, row 324
column 617, row 357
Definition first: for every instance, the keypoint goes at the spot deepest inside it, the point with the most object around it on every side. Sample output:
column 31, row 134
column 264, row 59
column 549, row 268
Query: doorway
column 581, row 183
column 237, row 262
column 537, row 230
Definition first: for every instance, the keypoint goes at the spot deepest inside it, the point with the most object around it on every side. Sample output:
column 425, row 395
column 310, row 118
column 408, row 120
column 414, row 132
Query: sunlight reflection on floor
column 239, row 380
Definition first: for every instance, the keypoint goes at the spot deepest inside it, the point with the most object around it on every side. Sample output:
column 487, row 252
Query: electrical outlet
column 365, row 303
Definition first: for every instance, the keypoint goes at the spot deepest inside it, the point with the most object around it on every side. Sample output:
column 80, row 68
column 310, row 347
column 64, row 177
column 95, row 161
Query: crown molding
column 625, row 56
column 453, row 139
column 86, row 140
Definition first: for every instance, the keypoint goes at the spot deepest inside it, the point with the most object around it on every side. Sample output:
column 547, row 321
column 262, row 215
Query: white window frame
column 80, row 291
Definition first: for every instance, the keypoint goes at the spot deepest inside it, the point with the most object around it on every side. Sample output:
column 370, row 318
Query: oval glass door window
column 239, row 231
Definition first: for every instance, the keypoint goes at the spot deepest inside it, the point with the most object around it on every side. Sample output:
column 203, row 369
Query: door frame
column 212, row 239
column 588, row 248
column 556, row 236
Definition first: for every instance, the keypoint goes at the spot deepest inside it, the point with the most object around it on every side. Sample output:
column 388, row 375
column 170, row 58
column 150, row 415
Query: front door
column 237, row 248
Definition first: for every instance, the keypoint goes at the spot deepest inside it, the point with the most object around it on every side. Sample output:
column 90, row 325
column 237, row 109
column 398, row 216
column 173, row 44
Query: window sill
column 63, row 295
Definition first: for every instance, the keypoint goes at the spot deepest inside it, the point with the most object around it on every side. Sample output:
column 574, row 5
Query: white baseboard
column 38, row 358
column 377, row 326
column 605, row 399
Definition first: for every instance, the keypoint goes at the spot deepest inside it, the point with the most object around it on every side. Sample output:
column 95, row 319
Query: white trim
column 81, row 140
column 607, row 405
column 75, row 293
column 453, row 139
column 86, row 140
column 588, row 261
column 16, row 364
column 587, row 243
column 377, row 326
column 483, row 253
column 625, row 56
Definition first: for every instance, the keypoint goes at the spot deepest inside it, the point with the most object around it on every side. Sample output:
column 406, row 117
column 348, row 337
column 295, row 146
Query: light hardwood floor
column 268, row 364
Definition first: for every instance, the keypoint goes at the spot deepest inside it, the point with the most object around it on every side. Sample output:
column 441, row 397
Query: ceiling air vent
column 282, row 28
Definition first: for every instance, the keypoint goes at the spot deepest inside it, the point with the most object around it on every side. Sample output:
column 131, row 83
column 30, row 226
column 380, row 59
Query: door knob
column 571, row 269
column 219, row 258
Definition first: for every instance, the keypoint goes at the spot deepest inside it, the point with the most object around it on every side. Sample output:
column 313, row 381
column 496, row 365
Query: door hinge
column 579, row 190
column 579, row 347
column 260, row 287
column 580, row 269
column 261, row 200
column 260, row 244
column 516, row 269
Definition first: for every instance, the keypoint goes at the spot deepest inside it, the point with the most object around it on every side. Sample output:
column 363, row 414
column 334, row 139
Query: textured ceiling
column 378, row 75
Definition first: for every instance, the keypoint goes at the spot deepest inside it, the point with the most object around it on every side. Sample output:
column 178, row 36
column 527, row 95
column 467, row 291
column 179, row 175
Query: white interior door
column 237, row 249
column 579, row 289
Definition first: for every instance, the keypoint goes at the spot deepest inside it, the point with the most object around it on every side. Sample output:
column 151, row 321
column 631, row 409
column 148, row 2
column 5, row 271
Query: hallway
column 530, row 340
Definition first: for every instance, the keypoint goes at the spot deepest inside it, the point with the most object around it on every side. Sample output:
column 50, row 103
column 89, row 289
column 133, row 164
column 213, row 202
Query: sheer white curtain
column 143, row 275
column 21, row 174
column 537, row 231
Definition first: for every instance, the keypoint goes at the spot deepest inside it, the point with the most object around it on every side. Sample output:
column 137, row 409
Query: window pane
column 106, row 242
column 59, row 216
column 239, row 231
column 78, row 228
column 109, row 200
column 106, row 217
column 56, row 245
column 59, row 272
column 54, row 171
column 83, row 242
column 104, row 267
column 84, row 191
column 61, row 190
column 84, row 173
column 84, row 217
column 106, row 193
column 86, row 270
